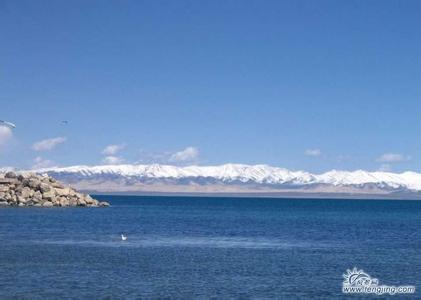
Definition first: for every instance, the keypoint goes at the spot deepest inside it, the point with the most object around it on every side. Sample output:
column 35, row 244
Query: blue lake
column 200, row 247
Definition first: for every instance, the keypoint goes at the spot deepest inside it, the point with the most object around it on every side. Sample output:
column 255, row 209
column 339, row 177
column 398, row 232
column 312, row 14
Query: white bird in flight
column 8, row 124
column 123, row 237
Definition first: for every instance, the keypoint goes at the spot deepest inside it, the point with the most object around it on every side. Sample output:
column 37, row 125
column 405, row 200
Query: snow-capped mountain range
column 233, row 178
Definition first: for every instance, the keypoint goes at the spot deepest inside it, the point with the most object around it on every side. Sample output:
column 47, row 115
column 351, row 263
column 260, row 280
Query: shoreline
column 256, row 196
column 32, row 190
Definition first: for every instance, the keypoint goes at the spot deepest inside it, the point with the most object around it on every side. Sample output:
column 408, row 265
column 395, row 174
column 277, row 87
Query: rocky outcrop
column 28, row 189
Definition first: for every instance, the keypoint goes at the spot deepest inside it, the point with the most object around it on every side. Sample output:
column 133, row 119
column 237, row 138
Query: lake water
column 192, row 247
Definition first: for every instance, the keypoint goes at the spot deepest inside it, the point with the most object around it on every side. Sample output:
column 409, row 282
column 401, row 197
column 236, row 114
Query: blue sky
column 311, row 85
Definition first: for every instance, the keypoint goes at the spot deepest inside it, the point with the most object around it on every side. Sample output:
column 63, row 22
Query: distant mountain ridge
column 234, row 178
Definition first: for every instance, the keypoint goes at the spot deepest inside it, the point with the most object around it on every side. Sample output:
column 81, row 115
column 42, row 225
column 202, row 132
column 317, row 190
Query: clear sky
column 311, row 85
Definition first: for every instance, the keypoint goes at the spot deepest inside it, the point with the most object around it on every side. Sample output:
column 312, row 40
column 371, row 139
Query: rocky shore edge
column 29, row 189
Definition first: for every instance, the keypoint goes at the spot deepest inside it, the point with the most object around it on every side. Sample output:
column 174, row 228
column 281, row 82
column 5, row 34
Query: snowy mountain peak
column 253, row 177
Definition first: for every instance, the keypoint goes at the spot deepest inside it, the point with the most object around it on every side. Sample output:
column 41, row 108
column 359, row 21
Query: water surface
column 188, row 247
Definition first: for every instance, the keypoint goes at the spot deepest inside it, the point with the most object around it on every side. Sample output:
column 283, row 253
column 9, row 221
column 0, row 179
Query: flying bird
column 65, row 122
column 7, row 124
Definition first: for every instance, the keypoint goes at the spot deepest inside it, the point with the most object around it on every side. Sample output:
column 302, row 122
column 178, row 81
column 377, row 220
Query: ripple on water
column 199, row 242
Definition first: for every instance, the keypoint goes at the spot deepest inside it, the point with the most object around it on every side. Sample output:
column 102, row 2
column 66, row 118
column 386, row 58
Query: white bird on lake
column 123, row 237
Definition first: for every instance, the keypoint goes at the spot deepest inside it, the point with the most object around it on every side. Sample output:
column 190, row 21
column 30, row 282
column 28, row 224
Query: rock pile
column 28, row 189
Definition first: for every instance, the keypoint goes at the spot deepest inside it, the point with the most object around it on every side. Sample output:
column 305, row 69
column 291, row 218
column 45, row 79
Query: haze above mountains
column 260, row 180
